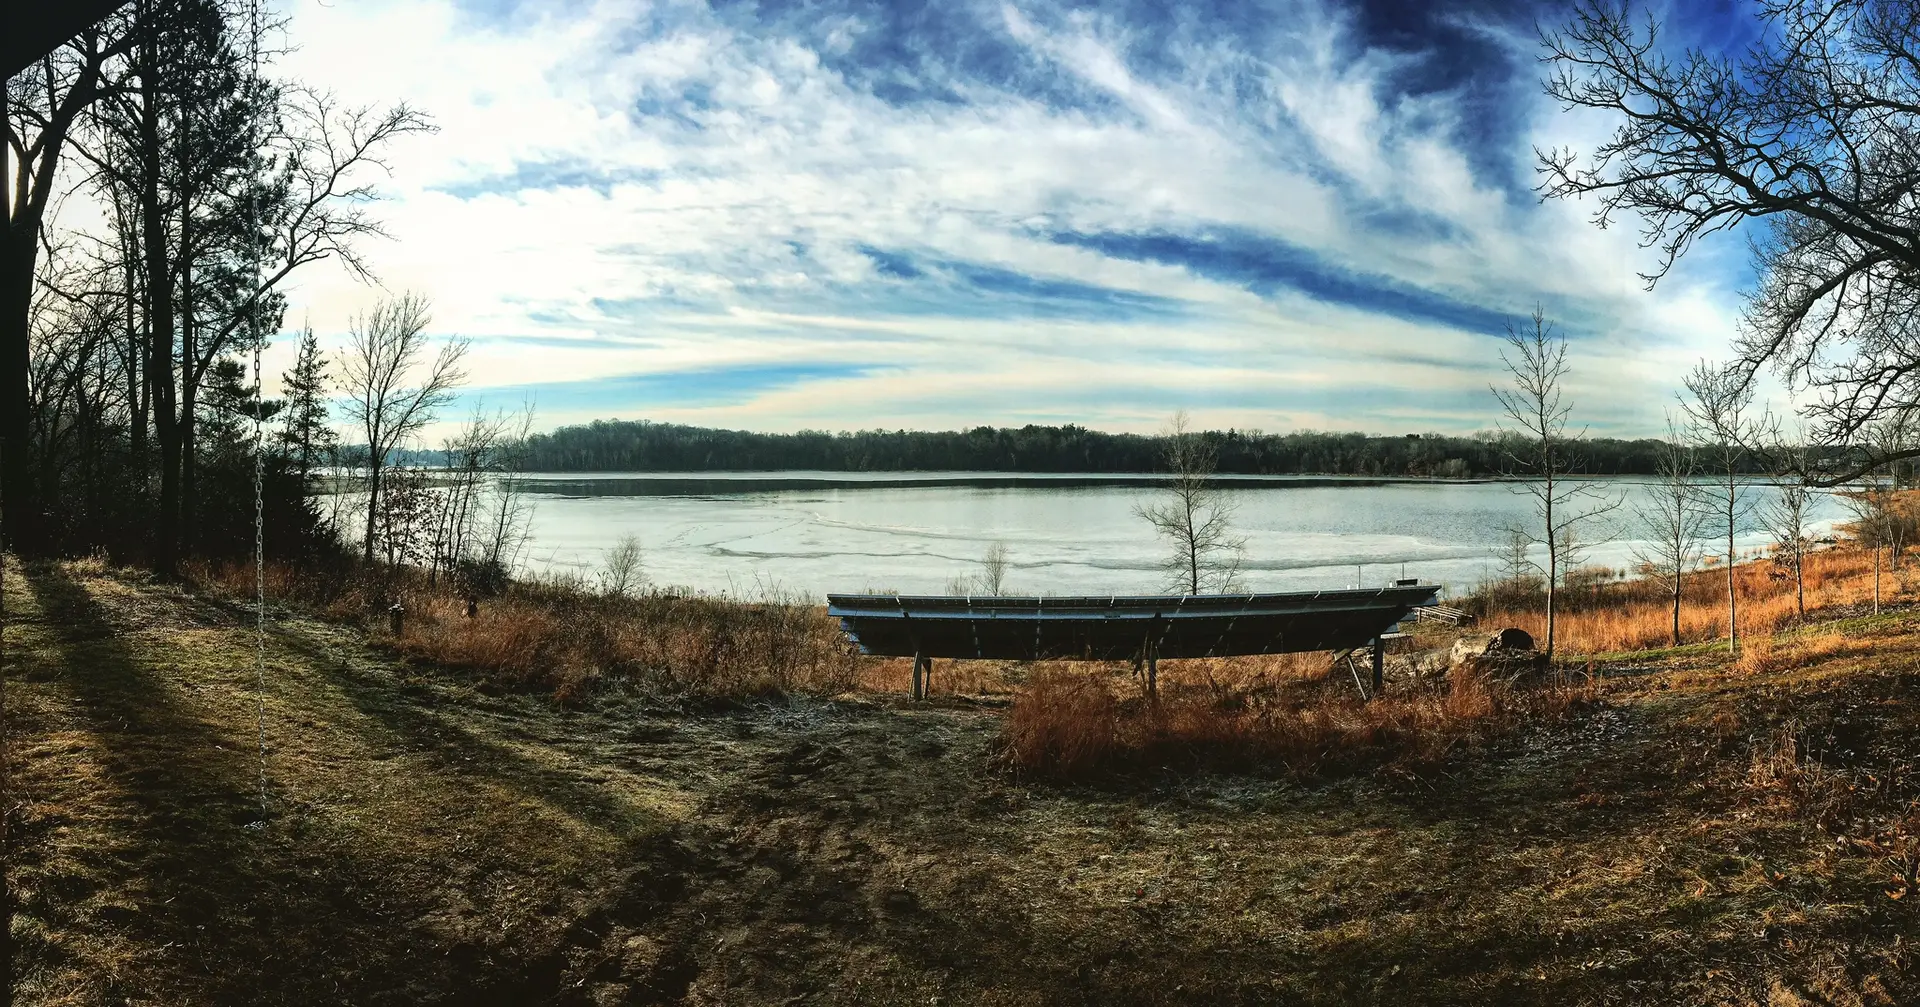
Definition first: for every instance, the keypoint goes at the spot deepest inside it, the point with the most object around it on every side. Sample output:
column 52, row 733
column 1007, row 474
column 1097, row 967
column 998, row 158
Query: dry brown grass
column 950, row 678
column 1631, row 616
column 1068, row 724
column 657, row 643
column 570, row 642
column 432, row 844
column 1757, row 657
column 1785, row 773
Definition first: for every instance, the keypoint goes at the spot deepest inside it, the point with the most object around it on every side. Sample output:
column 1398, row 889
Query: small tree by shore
column 1786, row 515
column 1673, row 518
column 1541, row 448
column 1719, row 404
column 1193, row 517
column 620, row 571
column 385, row 348
column 306, row 435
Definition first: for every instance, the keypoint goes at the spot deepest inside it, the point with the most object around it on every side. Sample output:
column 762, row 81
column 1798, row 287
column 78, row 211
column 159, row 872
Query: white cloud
column 692, row 234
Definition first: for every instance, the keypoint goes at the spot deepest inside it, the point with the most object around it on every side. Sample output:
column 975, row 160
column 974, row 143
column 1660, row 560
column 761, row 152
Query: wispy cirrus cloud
column 1287, row 214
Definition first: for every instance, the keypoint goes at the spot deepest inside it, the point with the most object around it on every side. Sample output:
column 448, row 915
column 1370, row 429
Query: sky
column 847, row 214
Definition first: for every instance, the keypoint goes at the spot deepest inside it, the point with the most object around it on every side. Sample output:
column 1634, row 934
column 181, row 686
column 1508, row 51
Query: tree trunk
column 153, row 232
column 1553, row 561
column 1676, row 608
column 17, row 487
column 1193, row 548
column 9, row 319
column 136, row 386
column 189, row 394
column 17, row 256
column 1800, row 586
column 1733, row 597
column 373, row 500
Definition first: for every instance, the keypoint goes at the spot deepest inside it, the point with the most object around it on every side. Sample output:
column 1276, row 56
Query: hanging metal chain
column 259, row 410
column 7, row 797
column 259, row 583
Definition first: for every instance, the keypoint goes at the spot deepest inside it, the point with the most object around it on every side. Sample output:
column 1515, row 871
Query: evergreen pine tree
column 305, row 433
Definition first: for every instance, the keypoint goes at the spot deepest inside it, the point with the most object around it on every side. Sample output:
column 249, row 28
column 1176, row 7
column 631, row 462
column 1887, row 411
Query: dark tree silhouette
column 1811, row 134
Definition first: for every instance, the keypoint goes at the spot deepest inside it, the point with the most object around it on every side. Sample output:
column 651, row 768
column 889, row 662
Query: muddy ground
column 425, row 842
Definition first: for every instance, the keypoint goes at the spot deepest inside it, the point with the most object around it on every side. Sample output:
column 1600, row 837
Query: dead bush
column 1070, row 724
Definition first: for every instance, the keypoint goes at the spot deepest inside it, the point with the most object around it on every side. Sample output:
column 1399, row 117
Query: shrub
column 1070, row 725
column 1067, row 724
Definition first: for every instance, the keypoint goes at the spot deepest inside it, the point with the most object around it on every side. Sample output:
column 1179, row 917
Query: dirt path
column 428, row 843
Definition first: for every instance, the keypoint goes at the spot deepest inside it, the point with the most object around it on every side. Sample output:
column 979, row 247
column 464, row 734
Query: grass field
column 1694, row 830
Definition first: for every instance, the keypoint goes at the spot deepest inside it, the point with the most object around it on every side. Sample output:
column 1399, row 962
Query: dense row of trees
column 642, row 446
column 189, row 185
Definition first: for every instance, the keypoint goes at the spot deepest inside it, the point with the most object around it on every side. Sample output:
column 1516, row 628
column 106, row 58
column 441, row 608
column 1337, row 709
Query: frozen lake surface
column 814, row 532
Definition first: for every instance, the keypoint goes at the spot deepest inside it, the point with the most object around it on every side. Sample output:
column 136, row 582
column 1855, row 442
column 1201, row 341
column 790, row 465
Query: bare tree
column 991, row 579
column 620, row 571
column 1868, row 530
column 1889, row 483
column 1515, row 568
column 1673, row 516
column 1811, row 129
column 41, row 107
column 1193, row 516
column 512, row 513
column 1785, row 517
column 1719, row 405
column 472, row 456
column 1880, row 522
column 385, row 350
column 1542, row 450
column 993, row 568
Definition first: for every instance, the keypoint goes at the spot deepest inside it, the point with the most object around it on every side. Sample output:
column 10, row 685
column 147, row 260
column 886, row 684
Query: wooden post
column 1354, row 670
column 1153, row 671
column 914, row 692
column 1379, row 664
column 926, row 680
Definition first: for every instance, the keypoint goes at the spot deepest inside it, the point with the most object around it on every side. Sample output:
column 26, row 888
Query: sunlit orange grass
column 1068, row 724
column 1806, row 649
column 1833, row 577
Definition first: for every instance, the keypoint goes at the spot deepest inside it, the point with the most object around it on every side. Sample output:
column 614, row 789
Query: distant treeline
column 643, row 446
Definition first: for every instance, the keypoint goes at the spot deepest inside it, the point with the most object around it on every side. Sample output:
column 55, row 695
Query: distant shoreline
column 643, row 446
column 677, row 483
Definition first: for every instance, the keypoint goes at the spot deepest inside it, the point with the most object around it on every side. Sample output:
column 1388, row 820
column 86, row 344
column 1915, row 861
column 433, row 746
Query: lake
column 814, row 532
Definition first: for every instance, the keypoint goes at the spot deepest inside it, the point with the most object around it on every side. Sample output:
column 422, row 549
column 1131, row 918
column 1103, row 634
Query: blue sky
column 849, row 214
